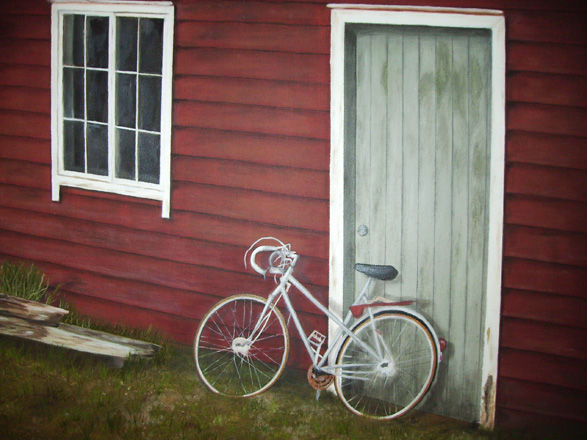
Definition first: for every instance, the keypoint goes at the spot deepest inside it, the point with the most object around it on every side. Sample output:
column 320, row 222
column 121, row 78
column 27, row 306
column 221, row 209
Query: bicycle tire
column 224, row 366
column 387, row 390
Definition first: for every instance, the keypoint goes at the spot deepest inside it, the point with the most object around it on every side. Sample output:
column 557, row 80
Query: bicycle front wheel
column 232, row 361
column 393, row 375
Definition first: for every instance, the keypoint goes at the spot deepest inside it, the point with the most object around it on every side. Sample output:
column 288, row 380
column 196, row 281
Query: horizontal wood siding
column 543, row 345
column 250, row 157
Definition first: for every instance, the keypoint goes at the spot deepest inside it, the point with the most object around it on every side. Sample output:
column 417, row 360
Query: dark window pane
column 151, row 45
column 126, row 99
column 97, row 95
column 125, row 154
column 98, row 149
column 73, row 40
column 73, row 93
column 149, row 103
column 97, row 41
column 73, row 146
column 149, row 157
column 126, row 44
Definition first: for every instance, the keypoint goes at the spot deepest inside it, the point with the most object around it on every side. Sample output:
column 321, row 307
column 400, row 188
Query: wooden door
column 416, row 170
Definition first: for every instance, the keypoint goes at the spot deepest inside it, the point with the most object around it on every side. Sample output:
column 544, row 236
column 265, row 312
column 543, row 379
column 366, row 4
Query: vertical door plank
column 443, row 182
column 394, row 162
column 479, row 68
column 458, row 273
column 410, row 172
column 427, row 154
column 362, row 142
column 377, row 236
column 443, row 200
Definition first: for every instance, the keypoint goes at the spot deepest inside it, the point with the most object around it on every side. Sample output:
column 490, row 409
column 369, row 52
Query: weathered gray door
column 416, row 172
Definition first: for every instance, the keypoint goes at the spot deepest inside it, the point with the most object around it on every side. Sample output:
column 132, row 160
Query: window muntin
column 111, row 74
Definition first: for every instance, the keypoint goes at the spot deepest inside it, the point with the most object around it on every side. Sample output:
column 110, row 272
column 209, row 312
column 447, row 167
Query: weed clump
column 28, row 282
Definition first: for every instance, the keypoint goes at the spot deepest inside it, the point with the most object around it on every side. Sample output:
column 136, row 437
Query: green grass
column 19, row 279
column 49, row 393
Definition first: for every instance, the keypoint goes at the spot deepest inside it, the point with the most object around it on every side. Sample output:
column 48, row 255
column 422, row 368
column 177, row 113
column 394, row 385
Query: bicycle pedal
column 316, row 338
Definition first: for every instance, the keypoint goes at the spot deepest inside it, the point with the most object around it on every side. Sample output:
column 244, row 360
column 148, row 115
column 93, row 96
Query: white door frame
column 442, row 17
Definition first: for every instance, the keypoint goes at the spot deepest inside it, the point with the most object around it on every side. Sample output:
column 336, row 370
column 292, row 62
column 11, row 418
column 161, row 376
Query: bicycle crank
column 318, row 380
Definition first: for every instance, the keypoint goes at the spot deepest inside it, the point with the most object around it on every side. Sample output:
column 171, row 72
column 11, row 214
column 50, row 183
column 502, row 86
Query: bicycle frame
column 281, row 291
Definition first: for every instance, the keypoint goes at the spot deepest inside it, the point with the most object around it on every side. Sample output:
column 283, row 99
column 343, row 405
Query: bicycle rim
column 388, row 388
column 229, row 370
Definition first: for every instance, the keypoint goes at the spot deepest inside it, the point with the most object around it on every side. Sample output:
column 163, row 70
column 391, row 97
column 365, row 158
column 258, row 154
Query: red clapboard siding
column 26, row 149
column 290, row 181
column 569, row 121
column 265, row 149
column 19, row 75
column 547, row 89
column 122, row 265
column 30, row 7
column 547, row 213
column 25, row 124
column 547, row 182
column 253, row 12
column 547, row 5
column 28, row 52
column 165, row 247
column 546, row 149
column 252, row 119
column 149, row 296
column 131, row 293
column 546, row 369
column 256, row 36
column 200, row 280
column 546, row 58
column 22, row 173
column 94, row 207
column 251, row 205
column 546, row 307
column 544, row 277
column 26, row 99
column 309, row 68
column 555, row 426
column 31, row 27
column 550, row 339
column 541, row 399
column 253, row 92
column 175, row 327
column 551, row 27
column 545, row 245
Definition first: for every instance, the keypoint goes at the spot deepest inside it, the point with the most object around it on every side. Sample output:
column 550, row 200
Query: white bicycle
column 387, row 353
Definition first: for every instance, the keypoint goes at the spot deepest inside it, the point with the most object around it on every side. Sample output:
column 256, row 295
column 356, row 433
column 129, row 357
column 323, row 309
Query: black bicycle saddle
column 377, row 271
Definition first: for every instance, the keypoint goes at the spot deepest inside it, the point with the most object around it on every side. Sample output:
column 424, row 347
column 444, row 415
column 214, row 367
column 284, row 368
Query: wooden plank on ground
column 140, row 348
column 76, row 338
column 31, row 310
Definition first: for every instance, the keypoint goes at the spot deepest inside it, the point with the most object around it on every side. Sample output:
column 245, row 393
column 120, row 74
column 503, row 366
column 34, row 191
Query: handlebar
column 280, row 259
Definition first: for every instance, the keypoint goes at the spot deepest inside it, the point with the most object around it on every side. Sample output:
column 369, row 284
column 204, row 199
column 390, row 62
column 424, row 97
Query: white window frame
column 441, row 17
column 61, row 177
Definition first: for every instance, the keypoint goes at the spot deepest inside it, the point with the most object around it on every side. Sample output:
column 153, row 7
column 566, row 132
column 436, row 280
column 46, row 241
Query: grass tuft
column 28, row 282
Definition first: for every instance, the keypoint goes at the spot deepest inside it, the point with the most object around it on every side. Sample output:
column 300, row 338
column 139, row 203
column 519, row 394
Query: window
column 111, row 97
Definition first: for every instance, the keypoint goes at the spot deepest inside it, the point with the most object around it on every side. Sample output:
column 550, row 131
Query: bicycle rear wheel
column 228, row 361
column 388, row 385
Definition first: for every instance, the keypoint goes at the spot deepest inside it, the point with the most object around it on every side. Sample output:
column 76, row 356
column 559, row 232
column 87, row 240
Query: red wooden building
column 250, row 156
